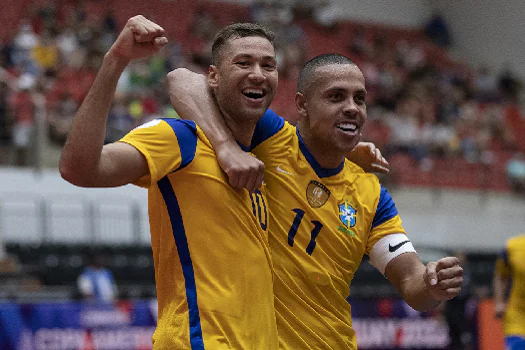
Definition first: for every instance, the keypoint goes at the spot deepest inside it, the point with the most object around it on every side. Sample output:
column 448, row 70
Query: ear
column 213, row 77
column 301, row 104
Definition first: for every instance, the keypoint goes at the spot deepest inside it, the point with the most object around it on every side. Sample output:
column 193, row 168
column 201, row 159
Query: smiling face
column 245, row 78
column 332, row 111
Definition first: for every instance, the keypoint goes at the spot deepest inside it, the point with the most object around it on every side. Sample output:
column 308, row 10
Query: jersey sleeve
column 266, row 127
column 272, row 137
column 386, row 220
column 502, row 264
column 167, row 144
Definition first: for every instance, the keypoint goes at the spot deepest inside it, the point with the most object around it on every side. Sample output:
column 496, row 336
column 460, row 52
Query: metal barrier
column 72, row 219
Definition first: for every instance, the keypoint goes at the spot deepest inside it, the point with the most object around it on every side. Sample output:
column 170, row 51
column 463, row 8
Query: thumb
column 160, row 42
column 431, row 274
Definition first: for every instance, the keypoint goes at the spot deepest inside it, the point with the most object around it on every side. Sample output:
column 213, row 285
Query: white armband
column 389, row 247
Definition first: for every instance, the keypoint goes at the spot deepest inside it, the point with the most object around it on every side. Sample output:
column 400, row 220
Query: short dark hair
column 234, row 31
column 307, row 72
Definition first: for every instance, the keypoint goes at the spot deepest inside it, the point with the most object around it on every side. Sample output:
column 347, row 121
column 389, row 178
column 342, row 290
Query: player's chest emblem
column 347, row 216
column 317, row 194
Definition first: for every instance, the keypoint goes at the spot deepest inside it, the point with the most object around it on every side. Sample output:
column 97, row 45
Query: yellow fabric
column 311, row 290
column 226, row 239
column 513, row 266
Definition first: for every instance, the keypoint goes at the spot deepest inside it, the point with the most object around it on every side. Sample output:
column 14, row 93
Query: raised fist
column 139, row 38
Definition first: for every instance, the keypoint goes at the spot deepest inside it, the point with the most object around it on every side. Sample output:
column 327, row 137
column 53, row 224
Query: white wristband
column 387, row 248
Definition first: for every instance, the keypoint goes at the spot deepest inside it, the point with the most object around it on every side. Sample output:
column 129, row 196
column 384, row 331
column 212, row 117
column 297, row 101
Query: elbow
column 73, row 174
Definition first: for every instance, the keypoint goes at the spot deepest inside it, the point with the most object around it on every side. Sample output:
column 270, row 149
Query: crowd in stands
column 422, row 105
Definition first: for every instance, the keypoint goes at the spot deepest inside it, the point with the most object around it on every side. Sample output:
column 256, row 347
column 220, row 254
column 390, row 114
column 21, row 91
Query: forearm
column 500, row 287
column 82, row 152
column 192, row 98
column 416, row 293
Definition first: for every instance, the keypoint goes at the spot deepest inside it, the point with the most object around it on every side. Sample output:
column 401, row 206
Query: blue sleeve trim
column 179, row 234
column 505, row 256
column 266, row 127
column 386, row 209
column 186, row 132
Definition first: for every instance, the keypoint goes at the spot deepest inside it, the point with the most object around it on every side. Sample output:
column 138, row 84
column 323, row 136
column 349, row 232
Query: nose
column 257, row 74
column 350, row 108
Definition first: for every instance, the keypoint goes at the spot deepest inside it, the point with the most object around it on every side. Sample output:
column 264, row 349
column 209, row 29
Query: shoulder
column 516, row 243
column 356, row 174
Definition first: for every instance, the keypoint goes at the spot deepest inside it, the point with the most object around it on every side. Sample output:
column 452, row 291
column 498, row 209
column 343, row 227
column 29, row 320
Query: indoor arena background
column 445, row 105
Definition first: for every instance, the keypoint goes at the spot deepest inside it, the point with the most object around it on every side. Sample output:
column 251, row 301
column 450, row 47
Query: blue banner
column 129, row 325
column 77, row 326
column 393, row 324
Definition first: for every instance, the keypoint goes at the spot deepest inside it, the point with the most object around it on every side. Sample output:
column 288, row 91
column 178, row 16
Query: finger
column 431, row 274
column 260, row 178
column 455, row 282
column 447, row 262
column 233, row 177
column 242, row 181
column 145, row 30
column 378, row 168
column 160, row 42
column 453, row 292
column 455, row 271
column 251, row 178
column 151, row 26
column 377, row 155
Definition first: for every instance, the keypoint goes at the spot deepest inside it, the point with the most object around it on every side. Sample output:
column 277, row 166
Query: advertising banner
column 129, row 325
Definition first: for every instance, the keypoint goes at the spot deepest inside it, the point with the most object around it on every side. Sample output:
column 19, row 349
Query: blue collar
column 320, row 171
column 243, row 147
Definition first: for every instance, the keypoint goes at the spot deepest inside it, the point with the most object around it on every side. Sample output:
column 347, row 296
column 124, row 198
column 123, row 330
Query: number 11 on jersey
column 299, row 214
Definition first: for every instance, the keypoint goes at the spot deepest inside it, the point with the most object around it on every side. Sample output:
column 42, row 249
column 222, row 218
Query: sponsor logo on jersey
column 317, row 194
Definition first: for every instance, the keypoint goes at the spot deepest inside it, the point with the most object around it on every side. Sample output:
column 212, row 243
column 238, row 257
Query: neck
column 242, row 130
column 326, row 157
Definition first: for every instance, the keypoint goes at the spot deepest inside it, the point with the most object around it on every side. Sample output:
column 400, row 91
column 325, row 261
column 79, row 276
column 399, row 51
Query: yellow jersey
column 322, row 222
column 511, row 264
column 213, row 269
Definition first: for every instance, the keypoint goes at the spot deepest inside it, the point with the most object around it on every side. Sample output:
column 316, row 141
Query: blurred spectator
column 60, row 119
column 325, row 15
column 437, row 30
column 25, row 40
column 457, row 313
column 96, row 282
column 516, row 172
column 509, row 86
column 46, row 53
column 23, row 109
column 5, row 122
column 485, row 86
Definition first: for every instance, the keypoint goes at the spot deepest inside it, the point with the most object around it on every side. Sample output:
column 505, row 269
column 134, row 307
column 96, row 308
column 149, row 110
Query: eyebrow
column 246, row 55
column 340, row 89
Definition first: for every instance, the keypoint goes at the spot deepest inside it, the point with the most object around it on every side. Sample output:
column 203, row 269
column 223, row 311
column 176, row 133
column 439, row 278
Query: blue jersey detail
column 186, row 133
column 386, row 208
column 266, row 127
column 505, row 256
column 179, row 234
column 514, row 342
column 319, row 170
column 243, row 147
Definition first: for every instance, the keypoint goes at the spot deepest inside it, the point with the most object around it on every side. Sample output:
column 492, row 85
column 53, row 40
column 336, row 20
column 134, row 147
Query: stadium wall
column 42, row 207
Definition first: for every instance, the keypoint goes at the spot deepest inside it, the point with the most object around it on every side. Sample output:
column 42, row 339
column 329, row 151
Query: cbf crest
column 317, row 194
column 347, row 214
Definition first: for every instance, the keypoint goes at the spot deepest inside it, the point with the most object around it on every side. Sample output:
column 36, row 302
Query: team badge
column 317, row 194
column 347, row 215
